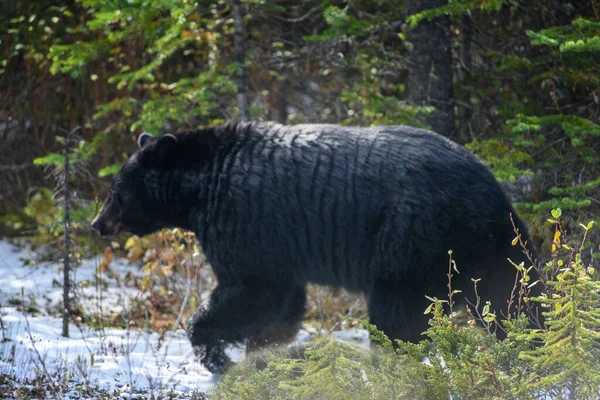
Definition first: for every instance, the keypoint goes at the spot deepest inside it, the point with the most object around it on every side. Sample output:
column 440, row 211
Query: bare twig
column 478, row 315
column 28, row 330
column 188, row 290
column 17, row 167
column 351, row 310
column 240, row 57
column 2, row 327
column 524, row 291
column 450, row 275
column 295, row 20
column 594, row 200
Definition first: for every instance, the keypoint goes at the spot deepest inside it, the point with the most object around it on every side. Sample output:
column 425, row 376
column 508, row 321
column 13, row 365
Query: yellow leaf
column 557, row 238
column 130, row 243
column 146, row 283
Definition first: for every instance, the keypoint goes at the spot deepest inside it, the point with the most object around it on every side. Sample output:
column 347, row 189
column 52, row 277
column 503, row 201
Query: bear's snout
column 105, row 228
column 97, row 226
column 103, row 225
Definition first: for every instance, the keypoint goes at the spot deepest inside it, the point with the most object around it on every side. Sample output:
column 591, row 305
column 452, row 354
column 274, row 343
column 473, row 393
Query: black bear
column 274, row 207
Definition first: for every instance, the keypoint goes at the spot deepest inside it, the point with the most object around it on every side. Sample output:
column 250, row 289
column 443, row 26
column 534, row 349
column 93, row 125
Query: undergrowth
column 456, row 361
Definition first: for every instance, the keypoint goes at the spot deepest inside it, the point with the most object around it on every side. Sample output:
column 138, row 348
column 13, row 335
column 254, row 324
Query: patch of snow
column 360, row 337
column 22, row 276
column 109, row 358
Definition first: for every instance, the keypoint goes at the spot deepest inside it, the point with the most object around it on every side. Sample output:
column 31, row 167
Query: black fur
column 274, row 207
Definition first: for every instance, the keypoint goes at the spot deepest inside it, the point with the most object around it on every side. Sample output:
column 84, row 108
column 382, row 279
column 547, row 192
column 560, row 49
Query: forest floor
column 97, row 360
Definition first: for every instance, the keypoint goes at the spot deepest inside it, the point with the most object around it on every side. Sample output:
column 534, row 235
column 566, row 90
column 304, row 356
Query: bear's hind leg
column 397, row 310
column 282, row 333
column 286, row 330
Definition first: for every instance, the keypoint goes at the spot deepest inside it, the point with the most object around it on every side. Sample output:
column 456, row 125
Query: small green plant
column 568, row 361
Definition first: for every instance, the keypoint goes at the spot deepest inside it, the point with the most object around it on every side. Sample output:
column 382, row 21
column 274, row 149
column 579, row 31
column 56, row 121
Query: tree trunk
column 67, row 237
column 240, row 57
column 430, row 75
column 465, row 107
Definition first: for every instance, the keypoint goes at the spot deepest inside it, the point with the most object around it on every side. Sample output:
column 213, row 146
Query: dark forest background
column 515, row 81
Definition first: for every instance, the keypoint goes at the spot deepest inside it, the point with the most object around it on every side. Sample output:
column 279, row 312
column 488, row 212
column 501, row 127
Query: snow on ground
column 111, row 359
column 116, row 360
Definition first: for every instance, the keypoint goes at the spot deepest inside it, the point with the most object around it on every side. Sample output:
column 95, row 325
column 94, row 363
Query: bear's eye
column 118, row 200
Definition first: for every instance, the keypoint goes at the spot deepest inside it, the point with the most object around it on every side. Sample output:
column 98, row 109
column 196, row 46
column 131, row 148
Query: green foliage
column 581, row 37
column 547, row 95
column 42, row 203
column 368, row 105
column 455, row 8
column 576, row 190
column 109, row 170
column 328, row 369
column 457, row 363
column 79, row 153
column 28, row 34
column 370, row 97
column 341, row 23
column 506, row 161
column 41, row 206
column 333, row 370
column 558, row 137
column 568, row 362
column 565, row 203
column 577, row 198
column 576, row 128
column 168, row 30
column 14, row 224
column 48, row 215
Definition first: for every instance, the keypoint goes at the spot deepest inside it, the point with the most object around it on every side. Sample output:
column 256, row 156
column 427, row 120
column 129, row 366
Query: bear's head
column 135, row 202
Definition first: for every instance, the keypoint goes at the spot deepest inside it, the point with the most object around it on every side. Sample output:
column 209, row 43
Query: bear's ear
column 168, row 137
column 165, row 143
column 143, row 139
column 160, row 152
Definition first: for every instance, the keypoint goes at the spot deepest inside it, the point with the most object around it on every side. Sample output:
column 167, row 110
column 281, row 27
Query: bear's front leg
column 237, row 312
column 213, row 357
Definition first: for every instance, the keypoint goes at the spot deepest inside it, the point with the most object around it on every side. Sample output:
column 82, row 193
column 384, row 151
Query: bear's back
column 320, row 196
